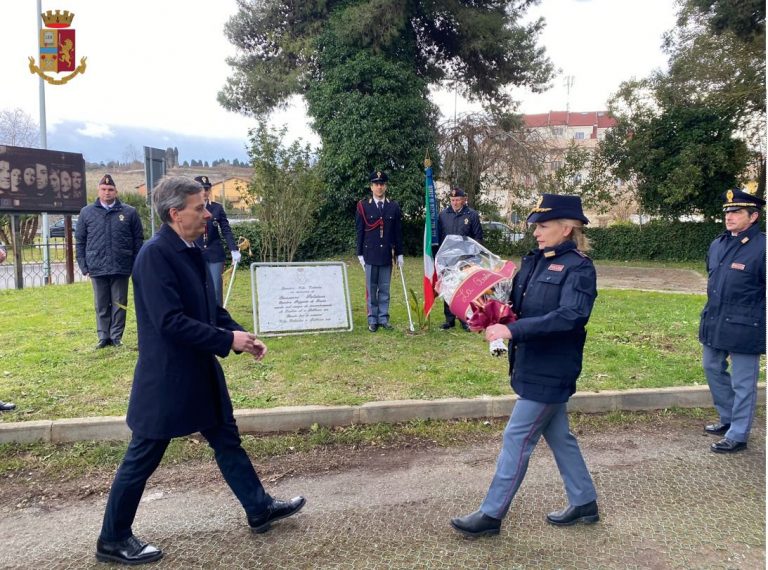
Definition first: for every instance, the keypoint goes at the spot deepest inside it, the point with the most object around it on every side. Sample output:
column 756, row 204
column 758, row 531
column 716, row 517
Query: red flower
column 489, row 312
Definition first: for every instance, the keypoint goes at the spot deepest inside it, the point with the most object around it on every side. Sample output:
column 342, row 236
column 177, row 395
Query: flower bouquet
column 476, row 284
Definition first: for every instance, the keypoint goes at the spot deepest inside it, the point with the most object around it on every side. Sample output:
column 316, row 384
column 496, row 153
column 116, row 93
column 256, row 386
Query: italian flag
column 430, row 238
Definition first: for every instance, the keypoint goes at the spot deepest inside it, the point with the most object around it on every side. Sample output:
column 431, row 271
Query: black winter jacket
column 108, row 240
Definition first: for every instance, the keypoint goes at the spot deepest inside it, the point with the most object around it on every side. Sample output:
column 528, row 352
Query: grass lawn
column 50, row 368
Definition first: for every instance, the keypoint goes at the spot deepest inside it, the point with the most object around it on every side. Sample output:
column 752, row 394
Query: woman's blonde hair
column 577, row 233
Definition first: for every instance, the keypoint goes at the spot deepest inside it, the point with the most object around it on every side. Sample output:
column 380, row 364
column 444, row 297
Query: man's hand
column 361, row 259
column 243, row 341
column 400, row 261
column 495, row 332
column 236, row 256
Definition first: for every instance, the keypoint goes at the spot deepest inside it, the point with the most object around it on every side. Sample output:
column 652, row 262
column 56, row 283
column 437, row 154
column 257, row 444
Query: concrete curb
column 286, row 419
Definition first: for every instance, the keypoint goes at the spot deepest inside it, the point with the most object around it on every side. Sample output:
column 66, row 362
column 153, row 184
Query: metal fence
column 35, row 272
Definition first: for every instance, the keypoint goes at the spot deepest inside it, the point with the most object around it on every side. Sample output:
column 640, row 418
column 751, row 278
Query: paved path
column 666, row 502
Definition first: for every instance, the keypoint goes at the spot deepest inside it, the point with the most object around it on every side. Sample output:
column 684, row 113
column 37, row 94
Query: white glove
column 361, row 259
column 400, row 261
column 236, row 256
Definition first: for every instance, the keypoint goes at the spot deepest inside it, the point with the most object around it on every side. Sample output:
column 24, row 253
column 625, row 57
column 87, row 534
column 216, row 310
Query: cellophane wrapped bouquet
column 476, row 284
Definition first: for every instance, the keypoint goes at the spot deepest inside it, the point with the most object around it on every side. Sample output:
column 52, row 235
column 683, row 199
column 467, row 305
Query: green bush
column 655, row 241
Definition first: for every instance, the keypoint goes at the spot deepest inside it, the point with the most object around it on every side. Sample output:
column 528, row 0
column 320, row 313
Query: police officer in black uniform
column 378, row 223
column 553, row 294
column 732, row 323
column 210, row 241
column 461, row 220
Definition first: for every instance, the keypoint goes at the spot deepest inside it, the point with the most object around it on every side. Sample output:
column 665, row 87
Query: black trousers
column 449, row 316
column 142, row 458
column 109, row 293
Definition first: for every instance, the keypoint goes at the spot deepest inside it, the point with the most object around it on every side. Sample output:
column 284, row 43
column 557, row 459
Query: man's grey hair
column 172, row 192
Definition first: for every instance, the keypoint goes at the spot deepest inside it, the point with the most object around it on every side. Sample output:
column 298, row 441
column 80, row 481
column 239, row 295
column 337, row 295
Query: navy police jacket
column 552, row 296
column 378, row 233
column 734, row 317
column 178, row 384
column 466, row 223
column 210, row 241
column 107, row 240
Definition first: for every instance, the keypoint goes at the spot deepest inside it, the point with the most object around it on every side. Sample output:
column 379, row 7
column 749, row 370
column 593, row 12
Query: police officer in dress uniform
column 210, row 241
column 108, row 238
column 461, row 220
column 552, row 296
column 733, row 320
column 378, row 222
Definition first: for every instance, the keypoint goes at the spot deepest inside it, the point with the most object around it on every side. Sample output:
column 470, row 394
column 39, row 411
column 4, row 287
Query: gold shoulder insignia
column 745, row 239
column 370, row 200
column 550, row 253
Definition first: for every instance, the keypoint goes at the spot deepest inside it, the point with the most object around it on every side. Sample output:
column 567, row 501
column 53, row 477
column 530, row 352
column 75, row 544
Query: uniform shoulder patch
column 555, row 267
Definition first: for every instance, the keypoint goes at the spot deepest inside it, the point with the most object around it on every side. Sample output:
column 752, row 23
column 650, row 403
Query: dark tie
column 380, row 206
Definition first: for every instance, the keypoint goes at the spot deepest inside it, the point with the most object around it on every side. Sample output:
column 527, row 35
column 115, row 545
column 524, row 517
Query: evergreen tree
column 365, row 68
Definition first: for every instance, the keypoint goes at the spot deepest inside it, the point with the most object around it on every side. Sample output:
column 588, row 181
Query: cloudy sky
column 159, row 64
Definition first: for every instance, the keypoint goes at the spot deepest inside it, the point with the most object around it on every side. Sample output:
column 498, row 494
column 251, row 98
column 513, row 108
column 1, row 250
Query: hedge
column 657, row 240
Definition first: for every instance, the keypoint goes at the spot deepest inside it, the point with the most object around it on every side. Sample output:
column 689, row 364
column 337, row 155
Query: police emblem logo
column 729, row 196
column 57, row 48
column 205, row 179
column 540, row 202
column 739, row 266
column 466, row 221
column 122, row 217
column 378, row 174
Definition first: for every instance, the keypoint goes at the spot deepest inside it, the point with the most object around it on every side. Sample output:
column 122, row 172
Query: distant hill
column 105, row 143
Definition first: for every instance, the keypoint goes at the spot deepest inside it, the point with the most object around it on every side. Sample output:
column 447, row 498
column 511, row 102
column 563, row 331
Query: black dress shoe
column 103, row 343
column 131, row 551
column 717, row 429
column 387, row 327
column 116, row 342
column 373, row 328
column 276, row 511
column 447, row 325
column 7, row 406
column 726, row 445
column 571, row 515
column 476, row 524
column 465, row 326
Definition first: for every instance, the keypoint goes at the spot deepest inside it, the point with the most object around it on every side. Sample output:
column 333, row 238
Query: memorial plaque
column 296, row 298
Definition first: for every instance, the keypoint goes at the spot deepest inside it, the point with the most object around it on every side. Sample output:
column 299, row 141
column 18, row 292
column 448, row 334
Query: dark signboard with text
column 36, row 180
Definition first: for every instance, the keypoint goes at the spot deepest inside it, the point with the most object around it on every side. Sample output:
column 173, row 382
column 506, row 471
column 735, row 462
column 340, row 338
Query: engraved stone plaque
column 295, row 298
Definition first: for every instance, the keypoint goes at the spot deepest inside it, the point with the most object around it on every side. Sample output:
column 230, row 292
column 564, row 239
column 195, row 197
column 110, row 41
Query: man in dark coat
column 461, row 220
column 733, row 320
column 178, row 385
column 378, row 222
column 210, row 241
column 108, row 238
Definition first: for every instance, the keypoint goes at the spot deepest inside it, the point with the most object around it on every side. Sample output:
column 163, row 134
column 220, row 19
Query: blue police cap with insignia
column 737, row 199
column 107, row 180
column 379, row 176
column 458, row 193
column 203, row 181
column 556, row 207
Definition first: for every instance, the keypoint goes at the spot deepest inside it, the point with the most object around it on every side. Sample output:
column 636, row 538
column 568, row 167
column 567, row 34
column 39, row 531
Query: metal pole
column 407, row 305
column 231, row 281
column 17, row 252
column 43, row 145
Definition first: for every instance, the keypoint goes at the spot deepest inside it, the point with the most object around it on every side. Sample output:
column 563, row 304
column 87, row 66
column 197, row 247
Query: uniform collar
column 550, row 252
column 169, row 234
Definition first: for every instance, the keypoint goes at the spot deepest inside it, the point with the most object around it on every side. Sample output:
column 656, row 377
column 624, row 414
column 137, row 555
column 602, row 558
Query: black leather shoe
column 116, row 342
column 373, row 328
column 726, row 445
column 571, row 515
column 476, row 524
column 103, row 343
column 717, row 428
column 131, row 551
column 465, row 326
column 386, row 327
column 447, row 325
column 276, row 511
column 7, row 406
